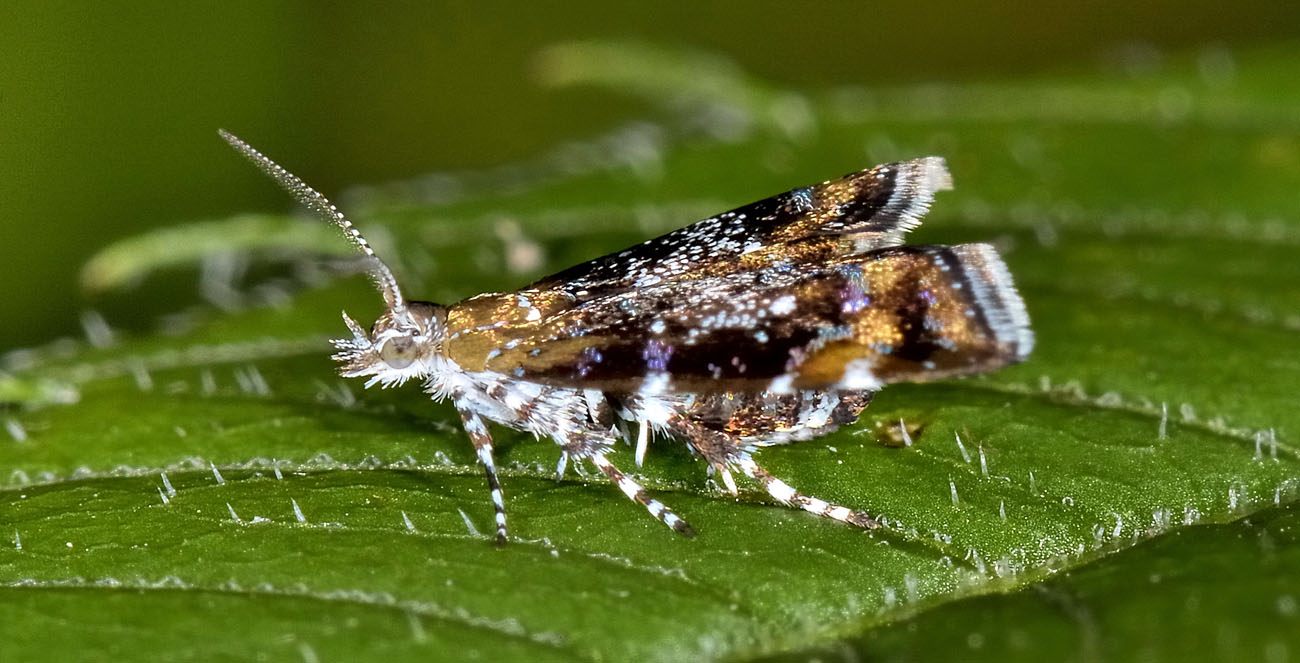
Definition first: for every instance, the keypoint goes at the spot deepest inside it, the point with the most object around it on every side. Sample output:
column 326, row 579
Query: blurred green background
column 108, row 111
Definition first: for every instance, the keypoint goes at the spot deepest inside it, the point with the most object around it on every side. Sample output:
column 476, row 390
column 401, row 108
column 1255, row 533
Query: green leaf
column 215, row 491
column 1220, row 592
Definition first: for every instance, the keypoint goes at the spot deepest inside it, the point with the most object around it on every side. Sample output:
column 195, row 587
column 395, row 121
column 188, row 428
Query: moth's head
column 404, row 344
column 406, row 340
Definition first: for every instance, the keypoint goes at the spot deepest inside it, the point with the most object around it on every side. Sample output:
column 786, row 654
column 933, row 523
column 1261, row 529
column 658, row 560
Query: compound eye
column 398, row 353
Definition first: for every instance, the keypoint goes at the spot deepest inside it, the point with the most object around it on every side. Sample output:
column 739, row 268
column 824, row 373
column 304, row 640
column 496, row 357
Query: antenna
column 323, row 208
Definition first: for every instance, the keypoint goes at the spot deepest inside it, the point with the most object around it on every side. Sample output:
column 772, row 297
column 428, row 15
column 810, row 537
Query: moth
column 772, row 323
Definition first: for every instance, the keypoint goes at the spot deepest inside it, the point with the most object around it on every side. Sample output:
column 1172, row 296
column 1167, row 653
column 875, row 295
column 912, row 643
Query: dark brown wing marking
column 873, row 208
column 897, row 314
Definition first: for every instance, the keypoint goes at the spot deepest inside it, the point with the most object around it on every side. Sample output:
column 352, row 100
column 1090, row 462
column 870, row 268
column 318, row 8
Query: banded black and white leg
column 723, row 451
column 637, row 494
column 785, row 494
column 596, row 452
column 482, row 440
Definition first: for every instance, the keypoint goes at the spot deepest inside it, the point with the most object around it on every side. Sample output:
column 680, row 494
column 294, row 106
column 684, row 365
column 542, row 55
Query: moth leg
column 482, row 440
column 637, row 494
column 642, row 440
column 720, row 451
column 585, row 446
column 627, row 410
column 562, row 465
column 724, row 451
column 728, row 481
column 784, row 494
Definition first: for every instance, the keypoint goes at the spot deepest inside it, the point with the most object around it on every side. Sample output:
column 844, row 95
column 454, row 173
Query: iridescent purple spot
column 656, row 355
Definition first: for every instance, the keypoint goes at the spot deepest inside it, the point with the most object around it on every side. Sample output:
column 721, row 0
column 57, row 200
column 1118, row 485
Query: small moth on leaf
column 772, row 323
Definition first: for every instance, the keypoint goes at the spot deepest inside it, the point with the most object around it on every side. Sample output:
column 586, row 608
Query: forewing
column 853, row 322
column 866, row 210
